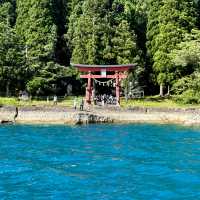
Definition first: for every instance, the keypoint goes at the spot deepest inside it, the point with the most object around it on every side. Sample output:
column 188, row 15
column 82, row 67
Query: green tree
column 170, row 29
column 97, row 38
column 124, row 44
column 187, row 89
column 84, row 31
column 61, row 11
column 153, row 26
column 76, row 11
column 186, row 57
column 37, row 24
column 11, row 52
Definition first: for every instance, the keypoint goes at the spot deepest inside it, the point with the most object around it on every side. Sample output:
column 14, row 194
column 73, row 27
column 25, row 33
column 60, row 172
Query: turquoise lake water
column 100, row 162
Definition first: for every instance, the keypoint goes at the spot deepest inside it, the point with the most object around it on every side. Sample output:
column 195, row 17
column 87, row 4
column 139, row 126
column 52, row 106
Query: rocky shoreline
column 62, row 115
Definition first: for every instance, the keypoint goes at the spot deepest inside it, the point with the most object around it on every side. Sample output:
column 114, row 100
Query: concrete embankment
column 50, row 115
column 184, row 116
column 59, row 115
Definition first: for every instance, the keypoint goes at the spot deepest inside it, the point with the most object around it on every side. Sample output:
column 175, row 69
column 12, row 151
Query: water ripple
column 97, row 162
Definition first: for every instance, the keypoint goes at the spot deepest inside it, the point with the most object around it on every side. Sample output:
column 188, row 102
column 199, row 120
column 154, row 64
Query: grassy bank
column 68, row 102
column 156, row 102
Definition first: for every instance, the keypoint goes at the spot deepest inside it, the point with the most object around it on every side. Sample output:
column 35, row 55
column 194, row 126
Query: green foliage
column 48, row 78
column 34, row 86
column 11, row 52
column 124, row 45
column 173, row 19
column 41, row 41
column 153, row 26
column 182, row 85
column 187, row 52
column 188, row 89
column 38, row 38
column 189, row 97
column 101, row 34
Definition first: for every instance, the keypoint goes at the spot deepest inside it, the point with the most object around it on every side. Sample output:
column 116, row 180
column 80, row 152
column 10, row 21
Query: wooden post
column 117, row 88
column 89, row 89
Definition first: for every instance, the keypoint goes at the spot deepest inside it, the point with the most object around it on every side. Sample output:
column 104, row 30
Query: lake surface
column 100, row 162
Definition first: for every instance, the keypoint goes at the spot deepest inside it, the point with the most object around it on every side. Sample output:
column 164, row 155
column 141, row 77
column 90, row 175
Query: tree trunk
column 161, row 90
column 168, row 90
column 8, row 89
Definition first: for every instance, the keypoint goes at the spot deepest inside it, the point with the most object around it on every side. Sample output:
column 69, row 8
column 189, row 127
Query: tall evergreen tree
column 11, row 53
column 76, row 11
column 153, row 25
column 97, row 37
column 40, row 37
column 60, row 10
column 169, row 31
column 85, row 30
column 40, row 40
column 124, row 45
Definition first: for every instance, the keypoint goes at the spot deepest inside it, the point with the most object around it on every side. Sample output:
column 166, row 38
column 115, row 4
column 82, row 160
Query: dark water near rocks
column 100, row 162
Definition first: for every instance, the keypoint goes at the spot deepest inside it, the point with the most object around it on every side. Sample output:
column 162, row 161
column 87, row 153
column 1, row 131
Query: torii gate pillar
column 117, row 88
column 89, row 89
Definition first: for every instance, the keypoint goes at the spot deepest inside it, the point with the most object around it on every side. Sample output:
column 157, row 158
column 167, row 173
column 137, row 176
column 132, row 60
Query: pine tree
column 124, row 44
column 36, row 26
column 40, row 37
column 96, row 37
column 153, row 26
column 76, row 11
column 61, row 11
column 11, row 52
column 168, row 32
column 85, row 31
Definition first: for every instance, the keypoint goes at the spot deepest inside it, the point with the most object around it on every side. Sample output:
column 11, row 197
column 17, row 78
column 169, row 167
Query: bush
column 189, row 97
column 182, row 85
column 187, row 89
column 34, row 86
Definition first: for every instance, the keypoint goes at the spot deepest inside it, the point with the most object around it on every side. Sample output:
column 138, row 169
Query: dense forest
column 39, row 39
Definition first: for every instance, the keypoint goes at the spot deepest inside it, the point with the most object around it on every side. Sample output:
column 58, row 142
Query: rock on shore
column 6, row 122
column 88, row 118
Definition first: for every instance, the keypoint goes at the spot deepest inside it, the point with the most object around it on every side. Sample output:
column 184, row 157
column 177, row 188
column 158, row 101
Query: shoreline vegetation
column 134, row 111
column 147, row 102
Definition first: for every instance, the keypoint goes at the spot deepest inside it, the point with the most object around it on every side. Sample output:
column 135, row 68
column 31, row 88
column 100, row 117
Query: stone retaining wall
column 59, row 115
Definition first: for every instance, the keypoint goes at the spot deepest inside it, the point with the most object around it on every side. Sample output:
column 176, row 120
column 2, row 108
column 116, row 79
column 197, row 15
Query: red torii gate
column 118, row 76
